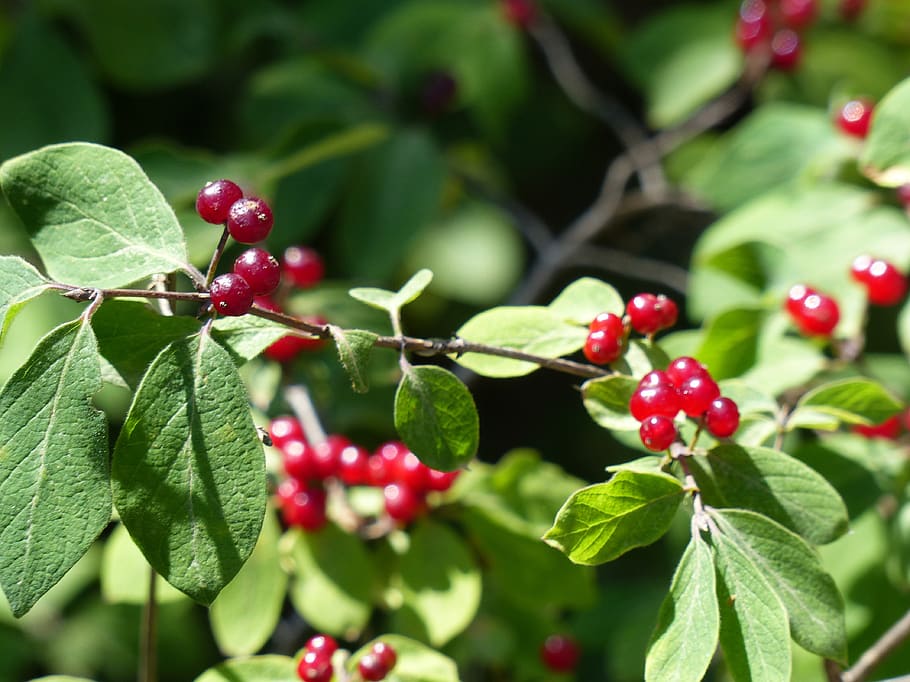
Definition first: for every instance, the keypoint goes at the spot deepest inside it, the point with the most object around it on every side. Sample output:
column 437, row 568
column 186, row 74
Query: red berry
column 327, row 456
column 752, row 34
column 402, row 503
column 314, row 666
column 815, row 314
column 214, row 200
column 283, row 429
column 657, row 432
column 885, row 285
column 323, row 644
column 260, row 269
column 722, row 418
column 601, row 347
column 385, row 653
column 379, row 471
column 753, row 10
column 786, row 50
column 649, row 313
column 655, row 394
column 520, row 13
column 249, row 220
column 903, row 195
column 696, row 393
column 392, row 451
column 607, row 322
column 890, row 428
column 560, row 653
column 413, row 473
column 371, row 668
column 683, row 368
column 231, row 294
column 303, row 266
column 850, row 10
column 667, row 311
column 855, row 116
column 302, row 506
column 290, row 346
column 440, row 481
column 353, row 466
column 798, row 14
column 298, row 458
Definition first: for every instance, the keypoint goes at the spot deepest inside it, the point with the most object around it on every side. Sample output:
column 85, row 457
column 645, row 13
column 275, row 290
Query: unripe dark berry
column 884, row 283
column 260, row 269
column 560, row 653
column 722, row 418
column 215, row 199
column 249, row 220
column 438, row 92
column 854, row 117
column 231, row 295
column 303, row 266
column 786, row 50
column 657, row 433
column 403, row 503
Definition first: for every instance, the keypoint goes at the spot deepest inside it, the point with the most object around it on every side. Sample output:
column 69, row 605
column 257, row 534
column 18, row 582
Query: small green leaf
column 853, row 401
column 584, row 299
column 355, row 346
column 93, row 215
column 440, row 581
column 772, row 483
column 886, row 151
column 247, row 336
column 687, row 629
column 393, row 301
column 332, row 579
column 814, row 606
column 188, row 468
column 531, row 329
column 382, row 299
column 607, row 401
column 601, row 522
column 271, row 667
column 416, row 662
column 731, row 342
column 125, row 573
column 19, row 283
column 247, row 611
column 436, row 417
column 53, row 464
column 411, row 289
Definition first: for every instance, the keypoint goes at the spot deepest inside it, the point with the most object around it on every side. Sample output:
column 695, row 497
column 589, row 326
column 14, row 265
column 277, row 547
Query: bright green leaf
column 607, row 401
column 731, row 342
column 393, row 301
column 640, row 357
column 853, row 401
column 53, row 464
column 687, row 629
column 188, row 468
column 19, row 283
column 411, row 289
column 603, row 521
column 93, row 215
column 584, row 299
column 416, row 662
column 354, row 349
column 248, row 335
column 436, row 417
column 125, row 573
column 272, row 667
column 886, row 152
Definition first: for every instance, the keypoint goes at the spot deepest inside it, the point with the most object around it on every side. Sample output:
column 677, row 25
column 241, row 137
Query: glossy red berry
column 610, row 322
column 885, row 284
column 215, row 199
column 815, row 314
column 231, row 295
column 520, row 13
column 327, row 456
column 601, row 347
column 696, row 394
column 323, row 644
column 353, row 466
column 798, row 14
column 440, row 481
column 379, row 471
column 786, row 50
column 303, row 266
column 290, row 346
column 854, row 117
column 260, row 269
column 385, row 653
column 655, row 395
column 249, row 220
column 413, row 473
column 371, row 668
column 657, row 433
column 402, row 503
column 683, row 368
column 298, row 458
column 560, row 653
column 850, row 10
column 315, row 666
column 890, row 428
column 301, row 505
column 649, row 313
column 722, row 418
column 285, row 428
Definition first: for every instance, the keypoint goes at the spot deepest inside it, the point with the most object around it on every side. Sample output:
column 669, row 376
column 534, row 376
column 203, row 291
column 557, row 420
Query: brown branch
column 875, row 654
column 89, row 293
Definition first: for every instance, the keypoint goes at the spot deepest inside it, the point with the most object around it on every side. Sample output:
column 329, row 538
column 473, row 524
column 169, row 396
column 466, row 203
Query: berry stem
column 216, row 257
column 148, row 655
column 88, row 293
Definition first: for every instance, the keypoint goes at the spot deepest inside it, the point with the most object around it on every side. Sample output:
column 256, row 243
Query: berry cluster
column 316, row 663
column 685, row 386
column 377, row 662
column 404, row 479
column 814, row 313
column 645, row 313
column 885, row 284
column 775, row 27
column 560, row 653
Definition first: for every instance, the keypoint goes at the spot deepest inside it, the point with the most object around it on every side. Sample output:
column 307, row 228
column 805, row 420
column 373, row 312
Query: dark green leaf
column 853, row 401
column 601, row 522
column 436, row 417
column 607, row 401
column 886, row 152
column 731, row 342
column 53, row 464
column 271, row 667
column 584, row 299
column 188, row 468
column 247, row 336
column 19, row 283
column 354, row 349
column 416, row 662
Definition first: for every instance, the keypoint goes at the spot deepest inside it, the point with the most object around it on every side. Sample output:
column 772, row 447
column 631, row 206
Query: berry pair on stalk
column 775, row 26
column 647, row 314
column 315, row 664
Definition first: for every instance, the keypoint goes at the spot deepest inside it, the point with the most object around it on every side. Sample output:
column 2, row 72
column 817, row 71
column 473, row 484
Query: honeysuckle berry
column 696, row 394
column 249, row 220
column 753, row 25
column 353, row 465
column 290, row 346
column 327, row 455
column 602, row 347
column 371, row 668
column 260, row 269
column 890, row 429
column 560, row 653
column 520, row 13
column 683, row 368
column 798, row 14
column 379, row 471
column 722, row 417
column 215, row 199
column 649, row 400
column 298, row 458
column 402, row 502
column 302, row 266
column 231, row 295
column 854, row 117
column 649, row 313
column 315, row 666
column 285, row 428
column 884, row 283
column 816, row 314
column 440, row 481
column 386, row 654
column 323, row 644
column 786, row 50
column 903, row 196
column 410, row 471
column 302, row 506
column 657, row 433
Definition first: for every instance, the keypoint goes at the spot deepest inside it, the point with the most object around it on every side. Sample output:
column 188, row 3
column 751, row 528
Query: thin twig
column 301, row 403
column 89, row 293
column 875, row 654
column 216, row 257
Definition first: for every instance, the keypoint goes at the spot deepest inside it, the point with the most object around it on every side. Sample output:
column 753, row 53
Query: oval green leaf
column 355, row 346
column 886, row 151
column 607, row 401
column 125, row 573
column 584, row 299
column 853, row 401
column 19, row 283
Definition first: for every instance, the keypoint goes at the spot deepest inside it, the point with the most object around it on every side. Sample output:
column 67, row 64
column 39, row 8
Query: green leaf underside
column 531, row 329
column 440, row 581
column 19, row 282
column 93, row 215
column 685, row 638
column 332, row 579
column 416, row 662
column 774, row 484
column 247, row 611
column 188, row 468
column 607, row 401
column 754, row 634
column 436, row 417
column 271, row 667
column 854, row 401
column 248, row 335
column 886, row 151
column 355, row 347
column 814, row 606
column 603, row 521
column 125, row 572
column 53, row 464
column 584, row 299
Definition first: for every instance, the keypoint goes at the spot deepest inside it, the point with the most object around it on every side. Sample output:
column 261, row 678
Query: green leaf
column 687, row 629
column 393, row 301
column 93, row 215
column 886, row 151
column 125, row 573
column 332, row 579
column 247, row 336
column 440, row 581
column 188, row 468
column 731, row 342
column 853, row 401
column 530, row 329
column 603, row 521
column 754, row 634
column 436, row 417
column 247, row 611
column 607, row 401
column 774, row 484
column 584, row 299
column 354, row 349
column 19, row 283
column 814, row 606
column 53, row 464
column 272, row 667
column 131, row 334
column 416, row 662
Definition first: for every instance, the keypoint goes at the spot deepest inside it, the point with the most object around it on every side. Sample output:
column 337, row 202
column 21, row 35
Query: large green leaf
column 814, row 606
column 685, row 638
column 93, row 215
column 271, row 667
column 730, row 343
column 886, row 153
column 584, row 299
column 247, row 336
column 607, row 401
column 19, row 283
column 774, row 484
column 415, row 662
column 601, row 522
column 188, row 468
column 853, row 401
column 53, row 464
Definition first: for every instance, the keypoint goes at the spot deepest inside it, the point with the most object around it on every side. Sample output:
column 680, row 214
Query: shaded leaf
column 247, row 336
column 886, row 151
column 354, row 349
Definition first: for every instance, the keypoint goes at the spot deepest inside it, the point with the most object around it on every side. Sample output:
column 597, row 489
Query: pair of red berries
column 646, row 313
column 315, row 664
column 248, row 219
column 685, row 386
column 255, row 273
column 378, row 662
column 775, row 26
